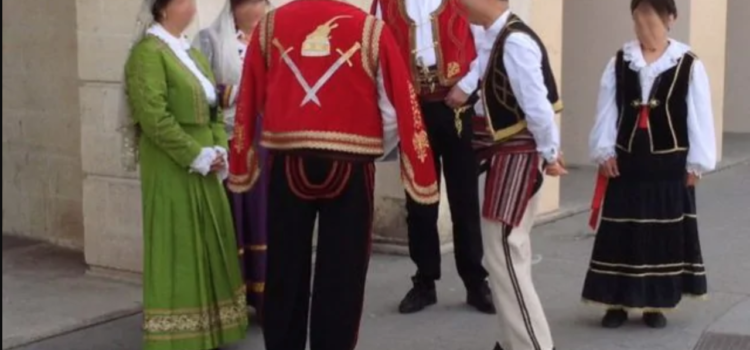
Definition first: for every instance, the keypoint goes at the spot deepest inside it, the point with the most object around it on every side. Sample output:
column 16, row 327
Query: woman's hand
column 692, row 180
column 609, row 168
column 218, row 164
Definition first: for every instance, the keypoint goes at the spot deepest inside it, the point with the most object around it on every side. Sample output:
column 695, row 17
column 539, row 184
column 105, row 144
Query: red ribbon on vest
column 597, row 200
column 643, row 118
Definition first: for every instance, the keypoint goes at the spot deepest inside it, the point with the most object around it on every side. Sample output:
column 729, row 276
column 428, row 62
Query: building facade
column 62, row 65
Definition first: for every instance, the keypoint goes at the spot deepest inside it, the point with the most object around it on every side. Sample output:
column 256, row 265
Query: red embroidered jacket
column 454, row 42
column 313, row 70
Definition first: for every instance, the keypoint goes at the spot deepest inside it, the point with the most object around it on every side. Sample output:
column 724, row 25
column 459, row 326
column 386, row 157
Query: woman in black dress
column 653, row 138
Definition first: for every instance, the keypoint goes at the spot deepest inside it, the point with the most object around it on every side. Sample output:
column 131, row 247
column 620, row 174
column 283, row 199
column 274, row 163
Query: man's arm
column 417, row 166
column 523, row 61
column 469, row 82
column 244, row 168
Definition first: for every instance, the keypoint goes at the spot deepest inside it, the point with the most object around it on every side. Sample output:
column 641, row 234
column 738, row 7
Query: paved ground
column 46, row 291
column 720, row 323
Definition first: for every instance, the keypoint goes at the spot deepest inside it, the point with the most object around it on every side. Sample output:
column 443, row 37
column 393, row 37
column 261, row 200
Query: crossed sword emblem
column 311, row 93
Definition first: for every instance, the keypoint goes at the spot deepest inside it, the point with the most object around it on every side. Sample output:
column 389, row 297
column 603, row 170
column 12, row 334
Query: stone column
column 737, row 105
column 390, row 215
column 708, row 38
column 546, row 17
column 595, row 30
column 111, row 196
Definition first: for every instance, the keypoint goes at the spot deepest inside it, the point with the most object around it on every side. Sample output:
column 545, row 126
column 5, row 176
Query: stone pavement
column 720, row 323
column 46, row 291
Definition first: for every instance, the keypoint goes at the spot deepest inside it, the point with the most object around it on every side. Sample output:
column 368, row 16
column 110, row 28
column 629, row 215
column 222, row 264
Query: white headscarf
column 127, row 126
column 223, row 32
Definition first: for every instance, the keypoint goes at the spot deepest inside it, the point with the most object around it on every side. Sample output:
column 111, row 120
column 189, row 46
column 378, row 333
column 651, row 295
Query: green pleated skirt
column 194, row 297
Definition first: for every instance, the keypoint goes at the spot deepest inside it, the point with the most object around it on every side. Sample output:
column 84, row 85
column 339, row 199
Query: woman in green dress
column 194, row 297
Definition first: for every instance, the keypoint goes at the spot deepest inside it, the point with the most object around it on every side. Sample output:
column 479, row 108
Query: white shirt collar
column 633, row 53
column 496, row 27
column 181, row 48
column 160, row 32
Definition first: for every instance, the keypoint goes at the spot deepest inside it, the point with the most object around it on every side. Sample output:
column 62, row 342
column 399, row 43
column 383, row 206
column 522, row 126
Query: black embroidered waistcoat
column 505, row 117
column 668, row 110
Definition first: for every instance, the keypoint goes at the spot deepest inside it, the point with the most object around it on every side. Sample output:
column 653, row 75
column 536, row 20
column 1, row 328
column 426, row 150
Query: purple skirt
column 249, row 213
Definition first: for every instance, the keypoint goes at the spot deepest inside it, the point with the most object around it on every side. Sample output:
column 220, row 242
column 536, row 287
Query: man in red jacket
column 437, row 45
column 335, row 95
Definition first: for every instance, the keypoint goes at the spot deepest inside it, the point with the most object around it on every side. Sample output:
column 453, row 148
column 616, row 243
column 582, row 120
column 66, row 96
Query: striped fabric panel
column 511, row 180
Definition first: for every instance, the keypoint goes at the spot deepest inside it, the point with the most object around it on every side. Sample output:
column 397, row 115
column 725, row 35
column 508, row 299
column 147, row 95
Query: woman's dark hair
column 157, row 9
column 664, row 8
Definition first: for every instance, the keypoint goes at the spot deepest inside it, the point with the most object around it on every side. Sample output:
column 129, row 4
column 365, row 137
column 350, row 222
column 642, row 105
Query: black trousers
column 454, row 156
column 340, row 194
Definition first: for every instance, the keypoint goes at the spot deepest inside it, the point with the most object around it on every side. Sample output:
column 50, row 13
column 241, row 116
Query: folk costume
column 335, row 96
column 515, row 134
column 656, row 120
column 437, row 45
column 194, row 297
column 221, row 43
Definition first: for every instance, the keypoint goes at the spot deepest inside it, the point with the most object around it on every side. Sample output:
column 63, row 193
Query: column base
column 390, row 235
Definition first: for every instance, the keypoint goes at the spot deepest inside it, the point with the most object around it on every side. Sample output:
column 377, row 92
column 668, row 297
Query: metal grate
column 718, row 341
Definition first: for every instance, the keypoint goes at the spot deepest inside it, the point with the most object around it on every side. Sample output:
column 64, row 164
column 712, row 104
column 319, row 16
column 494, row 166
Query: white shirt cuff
column 601, row 155
column 465, row 87
column 696, row 169
column 550, row 155
column 202, row 163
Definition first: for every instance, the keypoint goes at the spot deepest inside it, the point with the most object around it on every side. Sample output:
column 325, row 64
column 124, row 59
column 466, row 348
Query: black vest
column 668, row 131
column 505, row 117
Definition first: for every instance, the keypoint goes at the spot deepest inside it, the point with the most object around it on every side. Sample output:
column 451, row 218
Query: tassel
column 597, row 201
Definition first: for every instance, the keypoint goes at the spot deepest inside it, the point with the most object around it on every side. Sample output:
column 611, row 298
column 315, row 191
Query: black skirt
column 647, row 251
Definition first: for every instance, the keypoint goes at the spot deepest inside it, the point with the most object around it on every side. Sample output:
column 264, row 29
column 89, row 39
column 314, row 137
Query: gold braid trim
column 266, row 33
column 375, row 50
column 643, row 309
column 323, row 140
column 429, row 194
column 244, row 182
column 366, row 45
column 165, row 324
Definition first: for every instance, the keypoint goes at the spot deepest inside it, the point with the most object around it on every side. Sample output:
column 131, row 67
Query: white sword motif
column 312, row 93
column 296, row 72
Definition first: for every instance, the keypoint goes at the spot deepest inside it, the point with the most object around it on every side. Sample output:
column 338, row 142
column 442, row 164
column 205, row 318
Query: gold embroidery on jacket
column 323, row 140
column 366, row 46
column 422, row 194
column 453, row 69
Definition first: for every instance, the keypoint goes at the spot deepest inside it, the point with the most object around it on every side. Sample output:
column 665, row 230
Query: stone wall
column 41, row 122
column 737, row 106
column 111, row 196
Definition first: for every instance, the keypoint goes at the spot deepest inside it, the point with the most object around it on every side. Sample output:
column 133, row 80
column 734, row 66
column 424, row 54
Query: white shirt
column 700, row 121
column 523, row 62
column 420, row 12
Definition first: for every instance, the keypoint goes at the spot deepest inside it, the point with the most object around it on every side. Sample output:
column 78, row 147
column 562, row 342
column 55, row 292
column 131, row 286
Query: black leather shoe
column 419, row 297
column 481, row 299
column 654, row 319
column 614, row 318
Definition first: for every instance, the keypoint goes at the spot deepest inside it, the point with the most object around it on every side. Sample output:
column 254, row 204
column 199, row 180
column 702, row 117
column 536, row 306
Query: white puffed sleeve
column 700, row 121
column 603, row 137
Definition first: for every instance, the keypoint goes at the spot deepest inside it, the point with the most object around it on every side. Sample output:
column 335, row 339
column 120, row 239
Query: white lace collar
column 181, row 48
column 633, row 54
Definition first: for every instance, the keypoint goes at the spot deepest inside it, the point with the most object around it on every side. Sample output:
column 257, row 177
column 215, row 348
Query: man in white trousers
column 516, row 140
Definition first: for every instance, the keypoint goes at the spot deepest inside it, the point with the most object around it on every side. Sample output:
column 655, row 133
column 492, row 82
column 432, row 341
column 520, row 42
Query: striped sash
column 512, row 177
